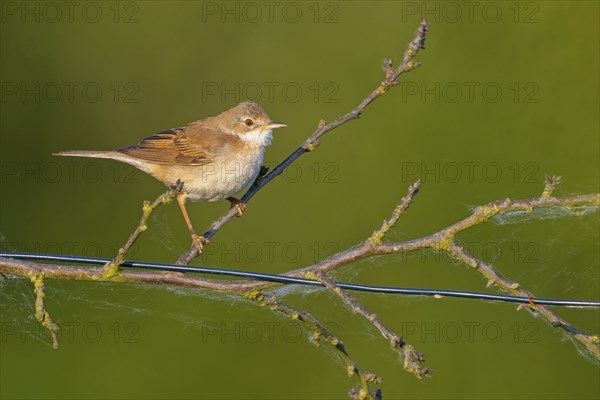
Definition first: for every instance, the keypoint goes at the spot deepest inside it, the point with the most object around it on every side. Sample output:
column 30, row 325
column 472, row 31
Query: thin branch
column 40, row 311
column 321, row 332
column 412, row 359
column 391, row 79
column 493, row 277
column 400, row 209
column 111, row 269
column 551, row 182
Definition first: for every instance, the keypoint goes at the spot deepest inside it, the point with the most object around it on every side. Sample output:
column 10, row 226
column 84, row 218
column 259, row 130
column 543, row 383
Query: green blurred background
column 508, row 92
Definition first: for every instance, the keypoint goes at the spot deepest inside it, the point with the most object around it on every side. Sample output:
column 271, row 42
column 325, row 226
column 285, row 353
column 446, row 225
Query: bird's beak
column 274, row 125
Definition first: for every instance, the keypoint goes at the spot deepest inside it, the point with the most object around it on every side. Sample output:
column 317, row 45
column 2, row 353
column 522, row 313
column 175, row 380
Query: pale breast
column 228, row 175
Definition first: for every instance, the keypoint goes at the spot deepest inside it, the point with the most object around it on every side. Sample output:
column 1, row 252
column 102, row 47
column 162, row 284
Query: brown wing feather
column 180, row 146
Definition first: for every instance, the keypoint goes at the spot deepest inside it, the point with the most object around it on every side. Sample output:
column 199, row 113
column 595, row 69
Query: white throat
column 258, row 137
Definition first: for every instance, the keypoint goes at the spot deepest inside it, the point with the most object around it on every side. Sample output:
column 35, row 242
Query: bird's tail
column 91, row 154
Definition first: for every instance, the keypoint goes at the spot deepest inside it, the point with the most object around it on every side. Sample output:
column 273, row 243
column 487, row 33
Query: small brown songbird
column 214, row 158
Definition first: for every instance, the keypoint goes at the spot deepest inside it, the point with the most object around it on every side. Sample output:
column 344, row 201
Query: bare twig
column 40, row 311
column 493, row 277
column 412, row 359
column 391, row 79
column 400, row 209
column 111, row 269
column 357, row 308
column 551, row 182
column 321, row 332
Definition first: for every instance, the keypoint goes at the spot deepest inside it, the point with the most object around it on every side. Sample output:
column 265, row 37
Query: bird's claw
column 199, row 242
column 177, row 186
column 238, row 205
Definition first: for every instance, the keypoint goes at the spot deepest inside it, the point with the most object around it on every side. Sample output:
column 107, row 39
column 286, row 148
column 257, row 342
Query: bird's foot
column 261, row 174
column 199, row 242
column 177, row 186
column 238, row 205
column 263, row 171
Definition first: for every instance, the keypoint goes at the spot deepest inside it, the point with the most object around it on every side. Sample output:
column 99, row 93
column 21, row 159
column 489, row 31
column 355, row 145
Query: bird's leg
column 238, row 205
column 198, row 240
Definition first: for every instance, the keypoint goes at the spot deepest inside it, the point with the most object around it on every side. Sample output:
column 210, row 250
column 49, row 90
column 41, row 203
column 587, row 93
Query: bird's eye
column 248, row 122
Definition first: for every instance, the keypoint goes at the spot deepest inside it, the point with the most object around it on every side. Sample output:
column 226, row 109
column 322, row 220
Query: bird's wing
column 179, row 146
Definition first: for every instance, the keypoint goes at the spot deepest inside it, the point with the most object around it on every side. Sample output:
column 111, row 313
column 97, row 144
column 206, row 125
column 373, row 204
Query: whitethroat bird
column 214, row 158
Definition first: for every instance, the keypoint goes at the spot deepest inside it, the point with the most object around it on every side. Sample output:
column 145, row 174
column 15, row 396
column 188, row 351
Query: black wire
column 302, row 281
